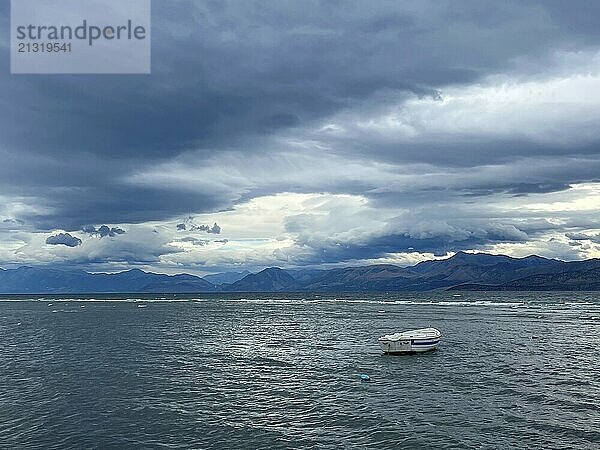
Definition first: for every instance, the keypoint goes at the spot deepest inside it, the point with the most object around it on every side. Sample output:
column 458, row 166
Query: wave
column 528, row 304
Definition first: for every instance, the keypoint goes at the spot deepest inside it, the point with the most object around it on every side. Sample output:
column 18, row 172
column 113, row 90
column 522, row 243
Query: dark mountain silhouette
column 56, row 281
column 570, row 279
column 463, row 271
column 272, row 279
column 226, row 277
column 381, row 277
column 486, row 269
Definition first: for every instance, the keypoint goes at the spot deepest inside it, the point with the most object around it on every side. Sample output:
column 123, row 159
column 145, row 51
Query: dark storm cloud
column 13, row 221
column 215, row 229
column 63, row 239
column 191, row 226
column 543, row 175
column 519, row 189
column 229, row 76
column 584, row 237
column 240, row 69
column 11, row 224
column 457, row 151
column 111, row 202
column 103, row 231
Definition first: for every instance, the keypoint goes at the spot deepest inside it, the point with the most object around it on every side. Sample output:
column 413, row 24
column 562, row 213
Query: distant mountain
column 367, row 278
column 463, row 271
column 35, row 280
column 272, row 279
column 482, row 261
column 573, row 277
column 486, row 269
column 305, row 275
column 480, row 271
column 226, row 277
column 579, row 280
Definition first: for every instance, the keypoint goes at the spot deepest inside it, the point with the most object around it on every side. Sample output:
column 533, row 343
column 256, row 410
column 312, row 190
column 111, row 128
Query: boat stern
column 394, row 346
column 416, row 341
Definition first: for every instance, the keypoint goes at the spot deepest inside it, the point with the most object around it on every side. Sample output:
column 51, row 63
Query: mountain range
column 463, row 271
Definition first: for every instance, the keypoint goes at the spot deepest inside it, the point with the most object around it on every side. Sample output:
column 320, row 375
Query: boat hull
column 408, row 346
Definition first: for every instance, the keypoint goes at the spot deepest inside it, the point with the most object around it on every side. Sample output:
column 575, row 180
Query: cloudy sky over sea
column 312, row 134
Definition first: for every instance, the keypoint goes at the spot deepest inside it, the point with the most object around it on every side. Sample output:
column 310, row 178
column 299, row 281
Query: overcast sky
column 312, row 133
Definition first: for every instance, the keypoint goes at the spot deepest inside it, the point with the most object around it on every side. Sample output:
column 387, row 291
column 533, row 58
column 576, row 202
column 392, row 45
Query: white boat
column 414, row 341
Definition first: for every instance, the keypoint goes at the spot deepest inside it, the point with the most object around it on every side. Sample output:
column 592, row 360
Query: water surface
column 283, row 371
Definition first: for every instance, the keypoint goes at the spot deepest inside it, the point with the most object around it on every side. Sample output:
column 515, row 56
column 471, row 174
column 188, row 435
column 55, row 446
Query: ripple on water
column 283, row 371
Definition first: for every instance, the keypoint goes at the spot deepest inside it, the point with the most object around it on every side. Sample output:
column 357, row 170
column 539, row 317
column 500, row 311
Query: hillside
column 463, row 271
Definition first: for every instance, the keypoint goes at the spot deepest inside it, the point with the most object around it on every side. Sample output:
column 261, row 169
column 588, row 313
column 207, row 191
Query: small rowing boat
column 414, row 341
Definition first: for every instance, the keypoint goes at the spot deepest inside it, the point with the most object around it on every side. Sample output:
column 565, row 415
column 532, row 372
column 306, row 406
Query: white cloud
column 560, row 106
column 291, row 229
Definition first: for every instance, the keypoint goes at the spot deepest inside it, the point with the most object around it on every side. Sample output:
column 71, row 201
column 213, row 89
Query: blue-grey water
column 514, row 370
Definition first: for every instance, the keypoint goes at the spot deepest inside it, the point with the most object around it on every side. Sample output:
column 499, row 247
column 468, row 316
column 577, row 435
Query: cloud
column 63, row 239
column 542, row 110
column 215, row 229
column 595, row 238
column 12, row 221
column 194, row 241
column 191, row 226
column 103, row 231
column 314, row 134
column 262, row 79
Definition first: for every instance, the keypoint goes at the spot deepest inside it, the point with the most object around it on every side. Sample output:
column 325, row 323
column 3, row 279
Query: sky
column 312, row 134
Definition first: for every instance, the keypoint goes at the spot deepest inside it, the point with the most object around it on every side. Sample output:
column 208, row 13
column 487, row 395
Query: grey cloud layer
column 248, row 80
column 102, row 231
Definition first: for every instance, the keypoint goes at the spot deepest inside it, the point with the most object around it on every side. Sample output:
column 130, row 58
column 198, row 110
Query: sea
column 283, row 371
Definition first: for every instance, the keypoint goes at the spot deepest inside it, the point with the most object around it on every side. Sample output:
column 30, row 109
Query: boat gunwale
column 405, row 336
